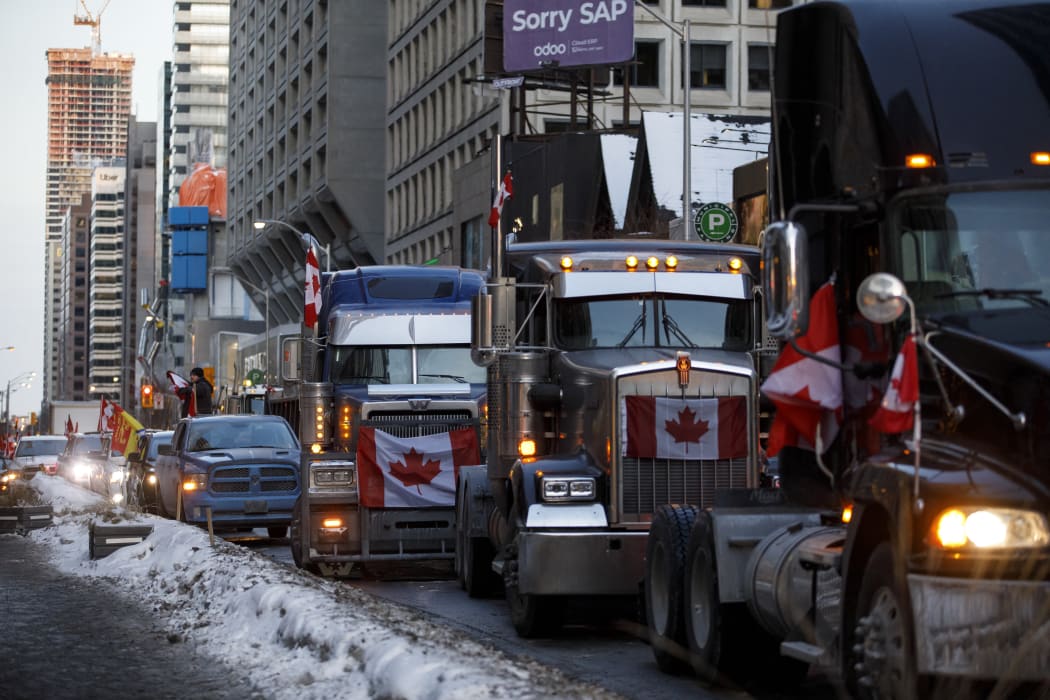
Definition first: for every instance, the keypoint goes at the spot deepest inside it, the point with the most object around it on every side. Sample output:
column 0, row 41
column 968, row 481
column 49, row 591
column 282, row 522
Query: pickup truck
column 243, row 468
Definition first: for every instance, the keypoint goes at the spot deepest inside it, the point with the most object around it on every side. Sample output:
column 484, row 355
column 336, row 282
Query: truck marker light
column 566, row 263
column 671, row 262
column 631, row 262
column 527, row 447
column 951, row 528
column 652, row 262
column 315, row 448
column 847, row 513
column 1040, row 157
column 919, row 160
column 736, row 264
column 332, row 522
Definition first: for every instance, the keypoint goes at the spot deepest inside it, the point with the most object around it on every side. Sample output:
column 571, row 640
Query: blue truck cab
column 389, row 386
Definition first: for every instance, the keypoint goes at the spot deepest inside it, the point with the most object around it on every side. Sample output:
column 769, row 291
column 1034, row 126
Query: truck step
column 803, row 651
column 821, row 555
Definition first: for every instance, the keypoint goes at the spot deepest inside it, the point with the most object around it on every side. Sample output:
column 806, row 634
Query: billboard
column 539, row 34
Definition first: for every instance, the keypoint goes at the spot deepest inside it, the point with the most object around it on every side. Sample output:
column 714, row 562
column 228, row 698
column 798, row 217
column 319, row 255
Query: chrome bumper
column 581, row 562
column 982, row 628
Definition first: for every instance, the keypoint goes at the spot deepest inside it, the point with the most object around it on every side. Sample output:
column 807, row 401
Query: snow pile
column 302, row 637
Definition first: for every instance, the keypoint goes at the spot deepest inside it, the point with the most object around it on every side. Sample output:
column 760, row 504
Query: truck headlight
column 81, row 471
column 116, row 476
column 568, row 488
column 333, row 475
column 195, row 482
column 973, row 527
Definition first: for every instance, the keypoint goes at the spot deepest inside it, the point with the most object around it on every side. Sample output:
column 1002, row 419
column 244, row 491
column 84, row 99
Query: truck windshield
column 647, row 321
column 420, row 364
column 974, row 251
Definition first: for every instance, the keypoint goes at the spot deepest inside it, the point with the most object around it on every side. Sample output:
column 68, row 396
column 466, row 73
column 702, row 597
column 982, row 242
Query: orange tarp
column 205, row 187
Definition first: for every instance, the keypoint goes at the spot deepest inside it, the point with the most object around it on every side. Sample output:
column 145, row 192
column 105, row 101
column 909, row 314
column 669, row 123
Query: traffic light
column 146, row 399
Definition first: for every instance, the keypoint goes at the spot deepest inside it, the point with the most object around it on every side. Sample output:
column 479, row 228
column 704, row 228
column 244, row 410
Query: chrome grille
column 649, row 483
column 409, row 424
column 646, row 483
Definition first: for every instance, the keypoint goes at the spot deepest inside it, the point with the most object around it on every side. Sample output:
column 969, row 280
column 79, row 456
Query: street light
column 307, row 238
column 266, row 295
column 24, row 377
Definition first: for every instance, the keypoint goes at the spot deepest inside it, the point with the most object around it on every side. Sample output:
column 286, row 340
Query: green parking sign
column 715, row 222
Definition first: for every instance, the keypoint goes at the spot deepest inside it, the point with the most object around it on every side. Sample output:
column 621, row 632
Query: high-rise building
column 70, row 382
column 199, row 84
column 89, row 102
column 106, row 282
column 307, row 108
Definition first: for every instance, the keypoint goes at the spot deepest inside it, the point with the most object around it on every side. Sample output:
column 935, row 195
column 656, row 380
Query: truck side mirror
column 785, row 279
column 481, row 350
column 291, row 358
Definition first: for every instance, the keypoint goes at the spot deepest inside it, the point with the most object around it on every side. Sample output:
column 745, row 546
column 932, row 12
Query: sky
column 298, row 636
column 142, row 28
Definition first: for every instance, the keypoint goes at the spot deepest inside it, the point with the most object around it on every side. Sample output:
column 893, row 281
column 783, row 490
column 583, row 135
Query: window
column 645, row 69
column 768, row 4
column 703, row 3
column 759, row 56
column 707, row 66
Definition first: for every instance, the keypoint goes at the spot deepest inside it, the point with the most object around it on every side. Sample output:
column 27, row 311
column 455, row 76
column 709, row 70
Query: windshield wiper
column 1032, row 296
column 453, row 377
column 638, row 323
column 671, row 327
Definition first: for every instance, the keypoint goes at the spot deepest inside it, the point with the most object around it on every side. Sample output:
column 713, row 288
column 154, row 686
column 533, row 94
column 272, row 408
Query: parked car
column 140, row 488
column 244, row 469
column 89, row 462
column 38, row 453
column 7, row 475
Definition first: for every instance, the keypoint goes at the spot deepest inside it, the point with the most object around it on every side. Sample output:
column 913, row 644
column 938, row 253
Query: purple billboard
column 538, row 34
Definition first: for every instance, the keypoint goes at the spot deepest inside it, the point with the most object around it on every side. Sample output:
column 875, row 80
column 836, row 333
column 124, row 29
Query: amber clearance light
column 671, row 262
column 566, row 263
column 736, row 264
column 919, row 160
column 1040, row 157
column 631, row 261
column 652, row 262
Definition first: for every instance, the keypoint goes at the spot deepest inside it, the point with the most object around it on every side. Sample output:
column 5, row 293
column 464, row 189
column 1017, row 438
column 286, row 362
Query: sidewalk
column 73, row 637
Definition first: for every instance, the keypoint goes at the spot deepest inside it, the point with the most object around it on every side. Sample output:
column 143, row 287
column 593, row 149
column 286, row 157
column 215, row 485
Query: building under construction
column 89, row 102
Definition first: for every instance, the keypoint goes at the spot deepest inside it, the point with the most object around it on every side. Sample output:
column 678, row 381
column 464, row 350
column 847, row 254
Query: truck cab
column 622, row 376
column 391, row 414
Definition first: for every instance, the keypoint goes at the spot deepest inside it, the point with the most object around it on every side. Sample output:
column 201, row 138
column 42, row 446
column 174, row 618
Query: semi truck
column 908, row 558
column 622, row 376
column 387, row 411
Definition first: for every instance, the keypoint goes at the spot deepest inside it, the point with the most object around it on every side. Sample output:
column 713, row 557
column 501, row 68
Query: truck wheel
column 277, row 532
column 295, row 540
column 479, row 580
column 664, row 568
column 885, row 660
column 531, row 615
column 725, row 642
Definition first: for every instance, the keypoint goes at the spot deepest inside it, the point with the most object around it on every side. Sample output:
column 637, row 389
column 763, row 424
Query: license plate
column 256, row 507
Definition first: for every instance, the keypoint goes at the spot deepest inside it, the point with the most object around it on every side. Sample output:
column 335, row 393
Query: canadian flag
column 807, row 392
column 70, row 428
column 312, row 308
column 412, row 472
column 107, row 416
column 669, row 428
column 181, row 386
column 896, row 413
column 506, row 189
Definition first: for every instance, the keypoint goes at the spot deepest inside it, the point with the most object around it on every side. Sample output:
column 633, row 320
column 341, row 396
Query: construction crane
column 95, row 22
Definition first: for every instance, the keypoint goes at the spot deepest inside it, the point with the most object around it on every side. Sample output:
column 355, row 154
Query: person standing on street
column 202, row 391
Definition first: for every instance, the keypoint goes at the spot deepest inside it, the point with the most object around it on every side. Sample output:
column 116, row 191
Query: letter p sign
column 715, row 222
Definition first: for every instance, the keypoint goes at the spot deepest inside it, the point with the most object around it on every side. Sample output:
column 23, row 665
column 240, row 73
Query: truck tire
column 725, row 642
column 295, row 540
column 532, row 615
column 885, row 659
column 473, row 554
column 664, row 567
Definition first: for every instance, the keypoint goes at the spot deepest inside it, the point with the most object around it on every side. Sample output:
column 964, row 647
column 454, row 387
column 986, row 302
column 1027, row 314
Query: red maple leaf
column 686, row 429
column 414, row 471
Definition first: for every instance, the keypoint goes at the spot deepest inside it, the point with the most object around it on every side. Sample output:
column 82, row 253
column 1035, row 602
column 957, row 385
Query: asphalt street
column 76, row 637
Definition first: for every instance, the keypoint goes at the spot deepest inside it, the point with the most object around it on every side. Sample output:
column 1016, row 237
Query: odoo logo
column 549, row 50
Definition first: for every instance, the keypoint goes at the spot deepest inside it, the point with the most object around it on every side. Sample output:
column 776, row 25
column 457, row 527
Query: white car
column 38, row 453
